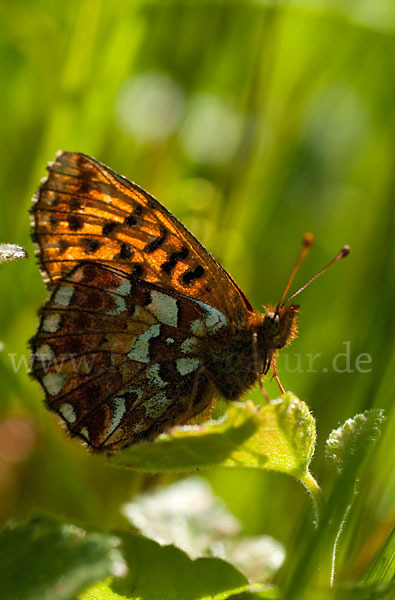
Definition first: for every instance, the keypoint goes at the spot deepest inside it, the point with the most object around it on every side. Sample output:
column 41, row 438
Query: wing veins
column 92, row 201
column 124, row 384
column 81, row 385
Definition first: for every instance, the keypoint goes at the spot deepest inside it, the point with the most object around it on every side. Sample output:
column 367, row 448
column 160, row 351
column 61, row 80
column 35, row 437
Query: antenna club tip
column 344, row 251
column 308, row 240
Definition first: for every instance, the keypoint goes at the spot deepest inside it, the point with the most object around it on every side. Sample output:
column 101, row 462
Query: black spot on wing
column 63, row 245
column 168, row 266
column 138, row 270
column 189, row 276
column 84, row 187
column 75, row 204
column 147, row 298
column 75, row 222
column 130, row 221
column 126, row 251
column 91, row 245
column 109, row 227
column 157, row 242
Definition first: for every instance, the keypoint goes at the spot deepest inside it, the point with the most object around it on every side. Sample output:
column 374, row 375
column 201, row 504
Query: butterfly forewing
column 86, row 211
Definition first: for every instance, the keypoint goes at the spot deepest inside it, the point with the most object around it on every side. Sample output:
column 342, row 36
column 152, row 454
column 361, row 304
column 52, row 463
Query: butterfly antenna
column 307, row 242
column 342, row 254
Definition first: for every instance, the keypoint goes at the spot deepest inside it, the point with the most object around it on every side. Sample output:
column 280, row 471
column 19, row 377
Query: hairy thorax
column 239, row 357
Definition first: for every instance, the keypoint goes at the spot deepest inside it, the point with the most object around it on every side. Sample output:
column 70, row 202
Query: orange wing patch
column 86, row 211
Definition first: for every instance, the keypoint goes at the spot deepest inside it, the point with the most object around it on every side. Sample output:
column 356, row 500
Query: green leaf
column 348, row 445
column 188, row 515
column 278, row 436
column 195, row 447
column 346, row 450
column 46, row 559
column 169, row 574
column 185, row 514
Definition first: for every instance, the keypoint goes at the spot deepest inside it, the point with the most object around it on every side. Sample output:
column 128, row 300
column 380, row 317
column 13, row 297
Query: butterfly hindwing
column 121, row 359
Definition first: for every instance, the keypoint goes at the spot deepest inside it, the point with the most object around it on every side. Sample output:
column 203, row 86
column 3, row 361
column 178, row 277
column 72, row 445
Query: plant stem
column 316, row 495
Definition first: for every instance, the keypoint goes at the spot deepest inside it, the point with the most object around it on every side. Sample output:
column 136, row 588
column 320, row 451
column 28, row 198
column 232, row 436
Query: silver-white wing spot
column 64, row 295
column 139, row 350
column 85, row 433
column 164, row 307
column 214, row 319
column 51, row 323
column 198, row 328
column 189, row 345
column 154, row 377
column 53, row 383
column 120, row 409
column 44, row 353
column 67, row 411
column 187, row 365
column 119, row 307
column 124, row 288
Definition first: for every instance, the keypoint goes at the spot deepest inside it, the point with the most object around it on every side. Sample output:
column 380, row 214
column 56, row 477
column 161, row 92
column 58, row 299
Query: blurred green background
column 253, row 122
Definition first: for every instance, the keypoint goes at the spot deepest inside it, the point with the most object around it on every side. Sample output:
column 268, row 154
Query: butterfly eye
column 271, row 324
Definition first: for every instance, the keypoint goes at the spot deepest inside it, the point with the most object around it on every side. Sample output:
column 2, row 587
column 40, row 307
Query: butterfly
column 143, row 328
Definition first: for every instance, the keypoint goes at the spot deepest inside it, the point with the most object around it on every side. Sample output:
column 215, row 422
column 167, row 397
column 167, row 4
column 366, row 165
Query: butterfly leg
column 203, row 416
column 276, row 377
column 257, row 369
